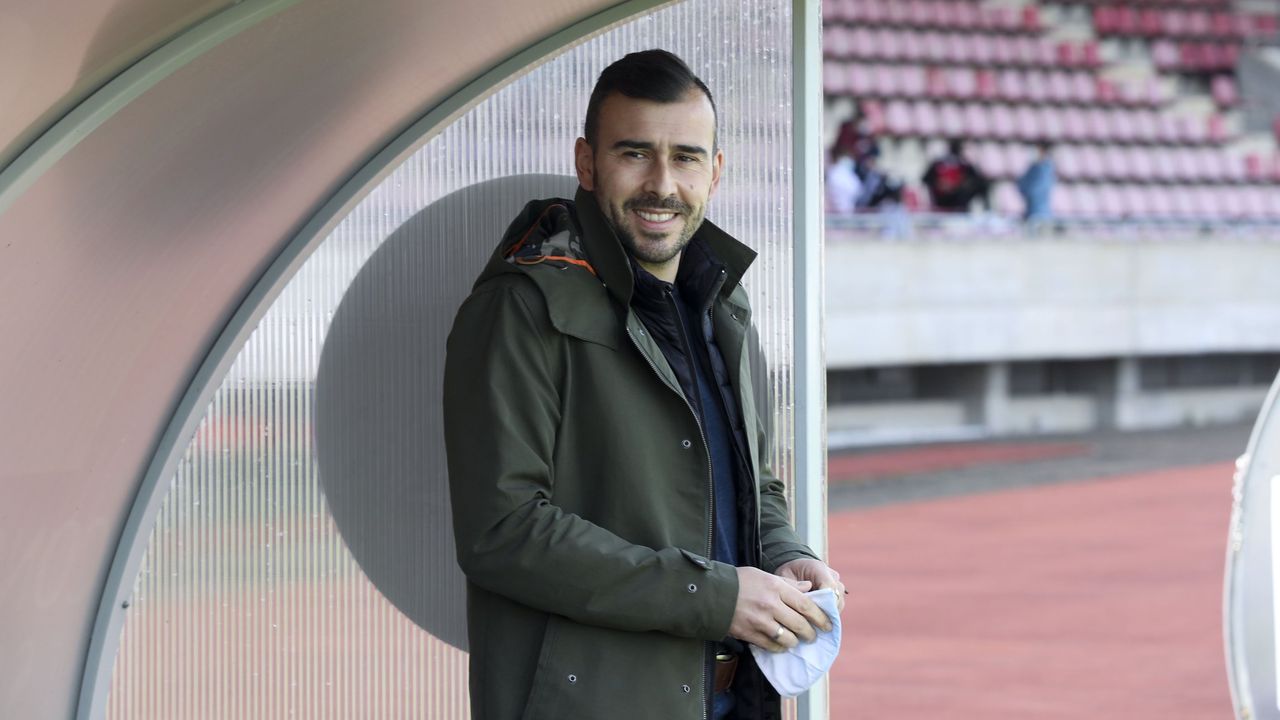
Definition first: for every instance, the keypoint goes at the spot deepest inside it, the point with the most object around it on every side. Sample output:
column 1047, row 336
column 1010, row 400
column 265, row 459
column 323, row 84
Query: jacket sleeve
column 778, row 539
column 501, row 411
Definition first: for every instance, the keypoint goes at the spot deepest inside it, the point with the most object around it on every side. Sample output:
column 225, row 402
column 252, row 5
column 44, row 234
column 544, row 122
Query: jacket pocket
column 542, row 702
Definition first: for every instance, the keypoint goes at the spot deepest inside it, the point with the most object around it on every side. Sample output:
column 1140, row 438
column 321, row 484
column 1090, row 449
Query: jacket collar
column 613, row 264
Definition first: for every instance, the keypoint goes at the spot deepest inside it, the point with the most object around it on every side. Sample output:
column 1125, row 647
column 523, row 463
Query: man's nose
column 660, row 180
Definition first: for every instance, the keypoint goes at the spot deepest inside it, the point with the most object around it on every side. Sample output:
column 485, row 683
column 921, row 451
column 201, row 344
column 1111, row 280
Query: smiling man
column 622, row 534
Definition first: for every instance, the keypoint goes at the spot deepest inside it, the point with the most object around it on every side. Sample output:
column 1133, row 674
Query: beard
column 653, row 248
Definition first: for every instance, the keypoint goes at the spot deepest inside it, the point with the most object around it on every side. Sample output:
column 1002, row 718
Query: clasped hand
column 772, row 611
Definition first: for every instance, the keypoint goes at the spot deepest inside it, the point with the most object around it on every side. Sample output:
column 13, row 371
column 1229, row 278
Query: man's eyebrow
column 643, row 145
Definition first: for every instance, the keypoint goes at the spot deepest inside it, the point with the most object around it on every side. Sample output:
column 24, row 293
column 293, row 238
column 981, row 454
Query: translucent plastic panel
column 302, row 562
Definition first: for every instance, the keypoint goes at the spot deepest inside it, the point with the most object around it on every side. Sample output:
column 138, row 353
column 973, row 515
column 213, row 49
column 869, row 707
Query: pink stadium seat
column 990, row 158
column 1165, row 55
column 985, row 84
column 1074, row 124
column 1012, row 86
column 852, row 43
column 951, row 121
column 1066, row 161
column 1026, row 122
column 935, row 83
column 835, row 79
column 1083, row 90
column 1003, row 122
column 961, row 48
column 1092, row 163
column 884, row 80
column 1096, row 125
column 926, row 118
column 966, row 15
column 977, row 120
column 1176, row 24
column 1161, row 202
column 1216, row 128
column 1199, row 24
column 1224, row 90
column 1052, row 124
column 1135, row 201
column 1142, row 164
column 1105, row 19
column 1004, row 50
column 900, row 12
column 1163, row 167
column 980, row 48
column 919, row 13
column 874, row 111
column 862, row 79
column 1036, row 83
column 1025, row 51
column 1007, row 200
column 873, row 13
column 1106, row 91
column 1060, row 87
column 889, row 45
column 1092, row 56
column 1115, row 163
column 1147, row 126
column 833, row 10
column 1110, row 203
column 963, row 82
column 1185, row 163
column 1150, row 22
column 1030, row 20
column 899, row 118
column 936, row 48
column 1233, row 203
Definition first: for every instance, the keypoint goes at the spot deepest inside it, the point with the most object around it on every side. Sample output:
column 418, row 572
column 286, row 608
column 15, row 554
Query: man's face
column 653, row 170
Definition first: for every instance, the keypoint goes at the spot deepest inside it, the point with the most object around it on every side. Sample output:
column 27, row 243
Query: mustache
column 651, row 201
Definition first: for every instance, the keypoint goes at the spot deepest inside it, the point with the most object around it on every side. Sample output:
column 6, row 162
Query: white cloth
column 843, row 187
column 795, row 670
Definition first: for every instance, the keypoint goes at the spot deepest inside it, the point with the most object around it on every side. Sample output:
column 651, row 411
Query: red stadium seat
column 985, row 84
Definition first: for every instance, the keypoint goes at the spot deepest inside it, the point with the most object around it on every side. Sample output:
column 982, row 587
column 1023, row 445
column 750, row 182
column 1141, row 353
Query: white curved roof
column 122, row 260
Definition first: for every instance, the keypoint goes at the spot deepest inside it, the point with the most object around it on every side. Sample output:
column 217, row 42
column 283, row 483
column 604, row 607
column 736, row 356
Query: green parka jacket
column 581, row 485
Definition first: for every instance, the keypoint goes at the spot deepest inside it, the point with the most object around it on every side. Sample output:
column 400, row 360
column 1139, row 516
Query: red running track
column 1091, row 600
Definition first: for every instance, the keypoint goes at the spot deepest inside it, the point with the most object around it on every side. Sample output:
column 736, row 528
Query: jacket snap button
column 686, row 444
column 573, row 678
column 693, row 588
column 685, row 688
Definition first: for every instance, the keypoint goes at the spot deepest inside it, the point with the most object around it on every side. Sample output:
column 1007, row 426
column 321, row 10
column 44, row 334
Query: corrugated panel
column 289, row 577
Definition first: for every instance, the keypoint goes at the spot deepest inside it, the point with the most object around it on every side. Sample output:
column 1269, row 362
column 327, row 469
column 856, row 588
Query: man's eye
column 686, row 158
column 636, row 154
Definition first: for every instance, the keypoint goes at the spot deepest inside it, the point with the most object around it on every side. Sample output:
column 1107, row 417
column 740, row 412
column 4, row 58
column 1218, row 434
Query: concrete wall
column 927, row 301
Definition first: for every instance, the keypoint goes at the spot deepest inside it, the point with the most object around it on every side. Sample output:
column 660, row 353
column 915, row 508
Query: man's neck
column 666, row 271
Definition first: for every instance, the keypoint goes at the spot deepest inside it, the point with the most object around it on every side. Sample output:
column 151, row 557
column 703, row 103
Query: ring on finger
column 778, row 633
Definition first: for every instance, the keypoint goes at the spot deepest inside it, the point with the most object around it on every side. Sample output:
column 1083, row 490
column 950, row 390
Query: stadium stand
column 1139, row 99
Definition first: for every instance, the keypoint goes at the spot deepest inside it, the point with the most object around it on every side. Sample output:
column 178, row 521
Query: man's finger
column 810, row 610
column 775, row 641
column 797, row 624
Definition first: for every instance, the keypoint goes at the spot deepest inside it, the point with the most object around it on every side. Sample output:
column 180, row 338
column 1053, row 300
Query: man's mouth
column 655, row 216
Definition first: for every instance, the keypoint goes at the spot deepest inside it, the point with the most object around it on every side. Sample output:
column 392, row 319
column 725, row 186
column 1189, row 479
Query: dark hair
column 955, row 146
column 655, row 75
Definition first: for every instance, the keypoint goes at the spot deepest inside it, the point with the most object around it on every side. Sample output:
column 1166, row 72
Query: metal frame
column 809, row 374
column 807, row 286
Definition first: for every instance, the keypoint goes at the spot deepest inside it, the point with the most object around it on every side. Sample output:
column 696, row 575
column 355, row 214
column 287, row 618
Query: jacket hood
column 573, row 236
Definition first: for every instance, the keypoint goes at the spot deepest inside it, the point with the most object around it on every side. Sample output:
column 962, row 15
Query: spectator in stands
column 953, row 181
column 878, row 189
column 844, row 187
column 856, row 138
column 1036, row 186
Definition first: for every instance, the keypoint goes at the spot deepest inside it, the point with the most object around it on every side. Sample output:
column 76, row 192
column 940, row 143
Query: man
column 1036, row 186
column 615, row 515
column 953, row 181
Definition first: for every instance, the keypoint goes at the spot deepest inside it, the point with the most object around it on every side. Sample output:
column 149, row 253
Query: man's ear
column 584, row 161
column 717, row 166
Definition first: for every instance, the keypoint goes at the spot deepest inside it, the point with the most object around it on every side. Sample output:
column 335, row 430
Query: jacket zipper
column 711, row 507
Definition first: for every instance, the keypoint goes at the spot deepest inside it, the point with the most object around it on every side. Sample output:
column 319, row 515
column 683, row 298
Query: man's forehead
column 688, row 121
